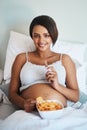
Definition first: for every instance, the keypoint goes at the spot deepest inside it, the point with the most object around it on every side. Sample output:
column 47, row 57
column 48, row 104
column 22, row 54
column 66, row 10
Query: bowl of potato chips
column 49, row 109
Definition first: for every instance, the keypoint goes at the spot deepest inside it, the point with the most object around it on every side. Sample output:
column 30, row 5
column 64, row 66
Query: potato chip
column 39, row 99
column 45, row 105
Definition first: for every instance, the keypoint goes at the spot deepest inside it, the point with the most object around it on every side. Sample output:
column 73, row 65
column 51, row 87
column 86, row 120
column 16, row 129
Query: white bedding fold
column 4, row 98
column 73, row 119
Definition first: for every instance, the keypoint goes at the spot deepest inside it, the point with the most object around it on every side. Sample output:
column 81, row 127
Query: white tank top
column 32, row 74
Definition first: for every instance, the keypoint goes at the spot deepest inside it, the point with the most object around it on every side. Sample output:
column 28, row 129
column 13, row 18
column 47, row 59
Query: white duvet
column 74, row 118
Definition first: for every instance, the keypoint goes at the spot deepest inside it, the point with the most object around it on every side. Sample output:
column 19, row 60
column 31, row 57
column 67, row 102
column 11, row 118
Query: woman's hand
column 29, row 105
column 52, row 77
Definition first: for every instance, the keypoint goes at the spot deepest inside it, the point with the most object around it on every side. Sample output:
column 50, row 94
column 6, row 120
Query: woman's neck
column 45, row 54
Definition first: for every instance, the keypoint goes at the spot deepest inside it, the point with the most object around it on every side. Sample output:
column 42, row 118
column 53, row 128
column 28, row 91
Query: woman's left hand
column 52, row 77
column 29, row 105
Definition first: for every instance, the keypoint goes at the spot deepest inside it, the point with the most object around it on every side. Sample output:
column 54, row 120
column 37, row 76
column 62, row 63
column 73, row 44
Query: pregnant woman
column 43, row 72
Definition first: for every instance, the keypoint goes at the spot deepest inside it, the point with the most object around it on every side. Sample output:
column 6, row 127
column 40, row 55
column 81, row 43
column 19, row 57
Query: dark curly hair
column 46, row 22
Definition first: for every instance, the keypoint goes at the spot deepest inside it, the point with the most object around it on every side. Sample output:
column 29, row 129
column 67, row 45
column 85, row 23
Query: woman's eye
column 46, row 35
column 36, row 36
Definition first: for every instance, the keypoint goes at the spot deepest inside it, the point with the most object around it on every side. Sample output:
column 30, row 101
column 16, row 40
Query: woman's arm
column 15, row 82
column 14, row 94
column 71, row 91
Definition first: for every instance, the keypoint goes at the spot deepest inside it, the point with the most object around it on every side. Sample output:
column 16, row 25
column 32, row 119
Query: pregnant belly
column 43, row 90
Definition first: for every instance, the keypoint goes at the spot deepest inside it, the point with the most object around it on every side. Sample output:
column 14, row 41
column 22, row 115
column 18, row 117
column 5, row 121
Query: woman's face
column 41, row 38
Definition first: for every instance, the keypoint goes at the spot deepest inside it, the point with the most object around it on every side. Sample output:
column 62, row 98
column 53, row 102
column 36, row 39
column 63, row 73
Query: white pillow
column 21, row 43
column 76, row 50
column 17, row 43
column 81, row 76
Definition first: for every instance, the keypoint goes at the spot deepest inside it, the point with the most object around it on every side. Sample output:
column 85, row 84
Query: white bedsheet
column 74, row 118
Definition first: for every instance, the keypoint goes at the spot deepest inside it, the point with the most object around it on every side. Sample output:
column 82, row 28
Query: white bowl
column 52, row 114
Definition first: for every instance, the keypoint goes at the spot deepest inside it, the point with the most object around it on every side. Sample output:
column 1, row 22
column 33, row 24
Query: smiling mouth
column 41, row 45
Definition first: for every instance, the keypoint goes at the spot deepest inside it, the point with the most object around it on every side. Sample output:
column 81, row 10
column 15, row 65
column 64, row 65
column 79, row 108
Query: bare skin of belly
column 45, row 91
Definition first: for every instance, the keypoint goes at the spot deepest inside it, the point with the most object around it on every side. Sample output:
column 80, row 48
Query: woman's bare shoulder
column 63, row 57
column 21, row 56
column 66, row 59
column 20, row 59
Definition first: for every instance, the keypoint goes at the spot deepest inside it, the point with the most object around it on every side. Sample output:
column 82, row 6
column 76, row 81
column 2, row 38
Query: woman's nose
column 41, row 39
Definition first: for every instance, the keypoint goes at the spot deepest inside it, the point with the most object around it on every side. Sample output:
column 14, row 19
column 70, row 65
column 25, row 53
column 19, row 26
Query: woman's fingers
column 50, row 75
column 29, row 105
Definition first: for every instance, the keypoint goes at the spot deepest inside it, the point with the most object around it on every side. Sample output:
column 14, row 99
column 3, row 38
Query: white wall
column 70, row 16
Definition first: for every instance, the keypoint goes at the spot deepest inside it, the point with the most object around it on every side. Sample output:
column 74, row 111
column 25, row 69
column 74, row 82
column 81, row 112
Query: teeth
column 42, row 45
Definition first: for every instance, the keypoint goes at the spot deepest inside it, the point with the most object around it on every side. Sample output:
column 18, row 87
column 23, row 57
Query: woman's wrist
column 56, row 86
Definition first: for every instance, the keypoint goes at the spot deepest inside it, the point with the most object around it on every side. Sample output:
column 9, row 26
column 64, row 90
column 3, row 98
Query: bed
column 74, row 116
